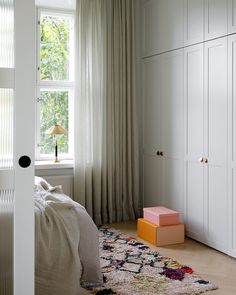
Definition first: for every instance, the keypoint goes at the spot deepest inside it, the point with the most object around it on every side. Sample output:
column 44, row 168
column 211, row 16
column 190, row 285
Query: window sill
column 63, row 164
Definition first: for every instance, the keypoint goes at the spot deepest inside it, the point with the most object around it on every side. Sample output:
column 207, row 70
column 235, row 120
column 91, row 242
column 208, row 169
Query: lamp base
column 56, row 153
column 56, row 160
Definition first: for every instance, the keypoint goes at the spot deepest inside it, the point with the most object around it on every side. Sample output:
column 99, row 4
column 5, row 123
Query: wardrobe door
column 194, row 141
column 216, row 118
column 150, row 27
column 162, row 26
column 151, row 106
column 216, row 18
column 232, row 143
column 152, row 185
column 172, row 120
column 231, row 16
column 193, row 21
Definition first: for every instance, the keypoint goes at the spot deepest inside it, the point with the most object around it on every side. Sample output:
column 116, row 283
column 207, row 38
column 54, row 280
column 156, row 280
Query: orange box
column 147, row 231
column 160, row 235
column 170, row 234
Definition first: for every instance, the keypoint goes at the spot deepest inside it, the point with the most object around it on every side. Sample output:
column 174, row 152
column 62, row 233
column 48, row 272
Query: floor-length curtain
column 106, row 173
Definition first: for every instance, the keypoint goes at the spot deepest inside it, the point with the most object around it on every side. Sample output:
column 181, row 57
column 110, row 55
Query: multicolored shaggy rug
column 131, row 268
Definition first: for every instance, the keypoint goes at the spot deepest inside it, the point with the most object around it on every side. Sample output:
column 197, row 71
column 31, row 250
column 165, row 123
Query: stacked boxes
column 160, row 226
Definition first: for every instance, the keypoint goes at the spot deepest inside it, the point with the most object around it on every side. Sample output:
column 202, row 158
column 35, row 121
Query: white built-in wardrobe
column 189, row 115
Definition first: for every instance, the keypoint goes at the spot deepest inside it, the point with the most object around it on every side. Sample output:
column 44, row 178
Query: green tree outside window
column 54, row 48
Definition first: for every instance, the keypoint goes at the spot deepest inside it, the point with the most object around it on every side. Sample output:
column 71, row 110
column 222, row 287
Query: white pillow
column 42, row 182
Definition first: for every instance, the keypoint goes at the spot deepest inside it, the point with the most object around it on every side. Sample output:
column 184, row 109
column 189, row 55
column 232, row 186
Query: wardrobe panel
column 152, row 188
column 151, row 27
column 151, row 106
column 231, row 16
column 172, row 104
column 217, row 211
column 172, row 128
column 173, row 191
column 217, row 100
column 216, row 118
column 193, row 21
column 216, row 18
column 194, row 140
column 194, row 205
column 163, row 26
column 194, row 101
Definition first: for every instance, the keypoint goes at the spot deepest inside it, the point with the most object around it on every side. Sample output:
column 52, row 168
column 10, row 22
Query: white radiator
column 66, row 181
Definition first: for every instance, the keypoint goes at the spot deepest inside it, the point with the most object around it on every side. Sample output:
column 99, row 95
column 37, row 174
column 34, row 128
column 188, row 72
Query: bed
column 66, row 241
column 66, row 244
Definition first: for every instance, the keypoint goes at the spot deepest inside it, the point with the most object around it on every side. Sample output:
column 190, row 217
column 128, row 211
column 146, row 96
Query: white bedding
column 66, row 243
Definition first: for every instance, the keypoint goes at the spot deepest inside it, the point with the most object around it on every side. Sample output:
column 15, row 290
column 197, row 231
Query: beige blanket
column 66, row 243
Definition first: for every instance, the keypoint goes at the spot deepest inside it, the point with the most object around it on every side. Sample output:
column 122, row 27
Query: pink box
column 161, row 216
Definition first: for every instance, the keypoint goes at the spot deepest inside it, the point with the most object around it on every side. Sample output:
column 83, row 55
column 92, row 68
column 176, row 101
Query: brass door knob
column 201, row 160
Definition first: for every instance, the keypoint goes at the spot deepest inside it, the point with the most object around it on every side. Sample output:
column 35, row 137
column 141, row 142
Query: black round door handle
column 24, row 161
column 158, row 153
column 161, row 153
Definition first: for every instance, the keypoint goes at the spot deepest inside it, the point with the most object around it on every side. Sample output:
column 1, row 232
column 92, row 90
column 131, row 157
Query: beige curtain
column 106, row 173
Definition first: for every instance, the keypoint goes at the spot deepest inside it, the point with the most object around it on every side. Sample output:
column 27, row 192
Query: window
column 55, row 82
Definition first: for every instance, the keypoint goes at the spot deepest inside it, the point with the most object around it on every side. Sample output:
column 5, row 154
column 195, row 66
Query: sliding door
column 17, row 23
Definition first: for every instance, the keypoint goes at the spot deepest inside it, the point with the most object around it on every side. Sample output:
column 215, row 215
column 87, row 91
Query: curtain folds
column 106, row 174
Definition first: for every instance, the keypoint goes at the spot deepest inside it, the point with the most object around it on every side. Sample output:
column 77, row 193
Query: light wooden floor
column 212, row 265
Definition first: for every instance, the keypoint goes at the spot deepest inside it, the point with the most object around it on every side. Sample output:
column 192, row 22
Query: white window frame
column 62, row 85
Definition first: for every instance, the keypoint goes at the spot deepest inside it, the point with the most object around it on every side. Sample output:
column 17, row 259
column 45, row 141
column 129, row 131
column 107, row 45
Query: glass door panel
column 6, row 33
column 6, row 146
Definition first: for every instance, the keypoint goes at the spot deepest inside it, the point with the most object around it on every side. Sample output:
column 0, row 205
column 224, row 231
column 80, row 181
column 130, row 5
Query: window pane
column 6, row 33
column 55, row 32
column 53, row 110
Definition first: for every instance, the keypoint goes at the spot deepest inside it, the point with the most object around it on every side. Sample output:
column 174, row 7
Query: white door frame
column 24, row 121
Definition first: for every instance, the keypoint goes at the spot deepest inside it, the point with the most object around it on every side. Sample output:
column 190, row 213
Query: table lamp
column 56, row 130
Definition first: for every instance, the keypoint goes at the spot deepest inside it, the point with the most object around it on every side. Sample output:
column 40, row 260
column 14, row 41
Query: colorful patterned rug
column 131, row 268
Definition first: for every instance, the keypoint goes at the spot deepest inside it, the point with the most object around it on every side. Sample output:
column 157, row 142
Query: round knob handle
column 158, row 153
column 201, row 160
column 24, row 161
column 206, row 160
column 161, row 153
